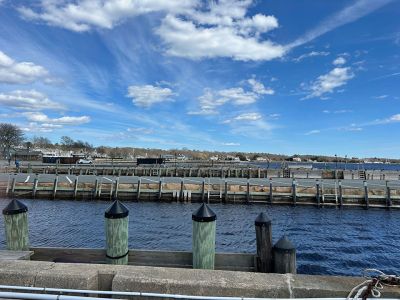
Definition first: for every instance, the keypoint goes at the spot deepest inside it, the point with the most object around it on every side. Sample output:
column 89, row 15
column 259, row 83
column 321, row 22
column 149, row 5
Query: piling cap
column 204, row 214
column 284, row 244
column 262, row 220
column 15, row 207
column 116, row 211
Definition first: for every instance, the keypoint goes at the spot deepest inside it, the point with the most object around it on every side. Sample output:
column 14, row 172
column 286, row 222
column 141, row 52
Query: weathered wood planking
column 178, row 259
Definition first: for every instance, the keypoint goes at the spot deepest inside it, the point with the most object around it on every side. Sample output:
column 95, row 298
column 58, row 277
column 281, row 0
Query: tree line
column 11, row 137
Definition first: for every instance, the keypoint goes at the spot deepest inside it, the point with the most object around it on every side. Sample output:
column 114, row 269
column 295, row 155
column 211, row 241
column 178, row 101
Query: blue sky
column 293, row 76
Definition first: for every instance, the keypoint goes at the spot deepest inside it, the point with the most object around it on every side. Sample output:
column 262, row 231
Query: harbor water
column 329, row 241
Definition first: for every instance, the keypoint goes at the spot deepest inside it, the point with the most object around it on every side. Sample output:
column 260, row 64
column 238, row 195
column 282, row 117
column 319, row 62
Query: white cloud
column 339, row 61
column 211, row 100
column 311, row 132
column 330, row 81
column 39, row 117
column 230, row 37
column 20, row 72
column 28, row 100
column 347, row 15
column 259, row 88
column 84, row 15
column 231, row 144
column 147, row 95
column 340, row 111
column 248, row 117
column 35, row 127
column 381, row 97
column 310, row 54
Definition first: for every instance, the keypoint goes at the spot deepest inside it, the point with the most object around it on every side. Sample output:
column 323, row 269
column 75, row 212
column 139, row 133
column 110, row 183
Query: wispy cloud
column 310, row 54
column 381, row 97
column 311, row 132
column 347, row 15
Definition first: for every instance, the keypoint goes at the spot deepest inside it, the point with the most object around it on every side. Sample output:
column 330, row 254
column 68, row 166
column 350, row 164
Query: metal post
column 284, row 256
column 204, row 227
column 116, row 223
column 263, row 227
column 16, row 226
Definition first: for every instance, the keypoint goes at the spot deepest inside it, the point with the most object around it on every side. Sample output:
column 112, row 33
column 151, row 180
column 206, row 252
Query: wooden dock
column 272, row 191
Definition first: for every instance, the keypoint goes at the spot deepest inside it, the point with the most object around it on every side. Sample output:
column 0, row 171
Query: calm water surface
column 328, row 241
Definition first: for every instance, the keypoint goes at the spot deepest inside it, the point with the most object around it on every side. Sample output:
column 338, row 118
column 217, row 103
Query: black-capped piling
column 204, row 226
column 284, row 254
column 116, row 226
column 16, row 226
column 263, row 227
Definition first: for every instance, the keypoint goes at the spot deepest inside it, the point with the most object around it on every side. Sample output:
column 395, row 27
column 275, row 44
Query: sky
column 288, row 76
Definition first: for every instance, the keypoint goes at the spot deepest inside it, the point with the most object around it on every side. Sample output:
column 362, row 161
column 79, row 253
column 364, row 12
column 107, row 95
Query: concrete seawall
column 177, row 281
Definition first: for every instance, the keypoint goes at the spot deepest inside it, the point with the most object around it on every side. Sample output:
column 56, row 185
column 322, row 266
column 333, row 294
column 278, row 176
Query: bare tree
column 41, row 142
column 10, row 136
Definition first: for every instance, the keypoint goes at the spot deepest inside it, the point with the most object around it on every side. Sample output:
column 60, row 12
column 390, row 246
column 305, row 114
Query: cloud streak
column 347, row 15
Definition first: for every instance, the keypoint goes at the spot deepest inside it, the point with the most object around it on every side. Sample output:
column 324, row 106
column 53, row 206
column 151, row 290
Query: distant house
column 26, row 155
column 297, row 159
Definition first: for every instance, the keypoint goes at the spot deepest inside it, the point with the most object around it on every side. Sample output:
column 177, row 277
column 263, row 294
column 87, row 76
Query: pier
column 273, row 191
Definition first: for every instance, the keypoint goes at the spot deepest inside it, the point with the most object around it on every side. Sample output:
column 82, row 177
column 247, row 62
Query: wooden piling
column 16, row 226
column 204, row 226
column 226, row 192
column 264, row 243
column 160, row 189
column 388, row 198
column 284, row 254
column 248, row 191
column 96, row 188
column 13, row 186
column 340, row 194
column 116, row 223
column 138, row 189
column 203, row 189
column 366, row 195
column 181, row 198
column 34, row 187
column 55, row 187
column 76, row 186
column 116, row 187
column 317, row 194
column 271, row 196
column 294, row 192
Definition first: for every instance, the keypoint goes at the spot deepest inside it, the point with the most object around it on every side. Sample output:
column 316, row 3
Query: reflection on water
column 328, row 241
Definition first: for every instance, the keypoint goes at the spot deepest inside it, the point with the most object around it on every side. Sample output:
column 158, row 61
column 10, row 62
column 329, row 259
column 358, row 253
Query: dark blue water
column 332, row 166
column 328, row 241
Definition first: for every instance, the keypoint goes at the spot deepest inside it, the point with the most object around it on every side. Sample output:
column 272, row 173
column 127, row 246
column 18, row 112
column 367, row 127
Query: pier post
column 181, row 196
column 204, row 226
column 248, row 191
column 263, row 227
column 34, row 188
column 284, row 254
column 29, row 168
column 203, row 189
column 55, row 187
column 294, row 192
column 76, row 186
column 366, row 194
column 388, row 199
column 317, row 194
column 116, row 223
column 271, row 197
column 340, row 194
column 16, row 226
column 96, row 187
column 160, row 189
column 226, row 192
column 13, row 186
column 116, row 187
column 138, row 189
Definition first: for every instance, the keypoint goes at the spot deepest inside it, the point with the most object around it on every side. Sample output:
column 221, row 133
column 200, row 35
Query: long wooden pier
column 279, row 191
